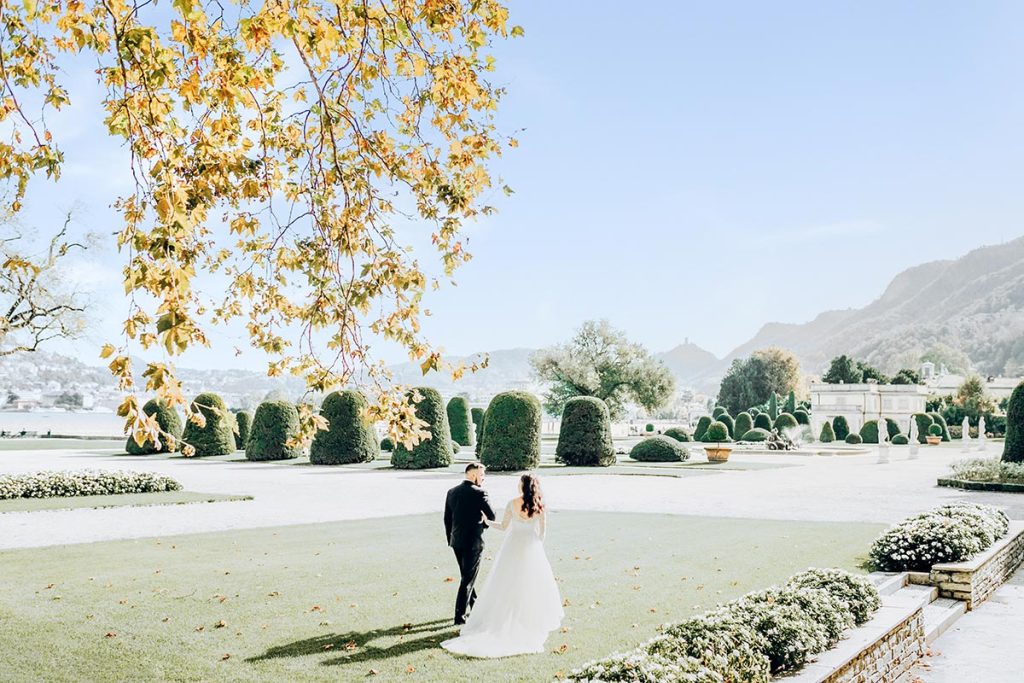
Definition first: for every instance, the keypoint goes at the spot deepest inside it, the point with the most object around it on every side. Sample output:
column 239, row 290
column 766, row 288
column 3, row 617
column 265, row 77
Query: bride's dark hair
column 533, row 499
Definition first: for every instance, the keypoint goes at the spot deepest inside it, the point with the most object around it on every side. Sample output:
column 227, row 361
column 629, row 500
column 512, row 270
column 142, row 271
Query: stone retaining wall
column 890, row 658
column 975, row 580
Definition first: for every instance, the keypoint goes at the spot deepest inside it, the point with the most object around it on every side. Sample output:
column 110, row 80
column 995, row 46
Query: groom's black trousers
column 469, row 565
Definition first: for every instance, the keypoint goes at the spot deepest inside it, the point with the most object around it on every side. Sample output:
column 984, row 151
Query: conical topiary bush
column 460, row 421
column 1013, row 447
column 274, row 425
column 435, row 451
column 349, row 437
column 585, row 436
column 216, row 437
column 511, row 438
column 828, row 435
column 169, row 421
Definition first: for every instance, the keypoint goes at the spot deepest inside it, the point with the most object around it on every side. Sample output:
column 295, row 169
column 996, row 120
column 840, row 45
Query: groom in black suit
column 464, row 527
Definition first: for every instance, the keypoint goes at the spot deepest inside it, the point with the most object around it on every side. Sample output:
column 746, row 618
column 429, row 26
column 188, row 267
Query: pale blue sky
column 697, row 170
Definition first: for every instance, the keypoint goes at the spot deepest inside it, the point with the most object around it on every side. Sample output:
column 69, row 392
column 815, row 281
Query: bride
column 520, row 603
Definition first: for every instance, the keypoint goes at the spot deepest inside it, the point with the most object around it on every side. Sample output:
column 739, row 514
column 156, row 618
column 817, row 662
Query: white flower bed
column 83, row 483
column 988, row 470
column 950, row 533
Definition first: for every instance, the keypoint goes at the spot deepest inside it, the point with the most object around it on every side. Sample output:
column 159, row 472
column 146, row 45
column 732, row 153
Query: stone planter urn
column 933, row 440
column 718, row 452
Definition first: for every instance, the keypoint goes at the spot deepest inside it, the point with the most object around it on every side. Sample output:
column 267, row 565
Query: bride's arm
column 504, row 522
column 543, row 525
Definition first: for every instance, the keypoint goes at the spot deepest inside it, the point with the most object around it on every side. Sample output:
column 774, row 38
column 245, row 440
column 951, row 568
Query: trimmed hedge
column 791, row 403
column 83, row 483
column 1013, row 447
column 659, row 448
column 511, row 438
column 717, row 432
column 892, row 427
column 460, row 422
column 718, row 412
column 757, row 434
column 477, row 415
column 680, row 434
column 900, row 440
column 773, row 406
column 784, row 422
column 853, row 438
column 923, row 422
column 828, row 435
column 349, row 437
column 436, row 449
column 702, row 426
column 386, row 444
column 841, row 427
column 935, row 430
column 941, row 421
column 649, row 428
column 726, row 419
column 744, row 423
column 869, row 432
column 949, row 533
column 169, row 421
column 216, row 437
column 273, row 426
column 243, row 422
column 585, row 436
column 762, row 421
column 801, row 416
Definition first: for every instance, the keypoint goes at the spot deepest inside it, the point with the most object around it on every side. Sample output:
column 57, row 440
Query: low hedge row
column 748, row 639
column 83, row 483
column 659, row 448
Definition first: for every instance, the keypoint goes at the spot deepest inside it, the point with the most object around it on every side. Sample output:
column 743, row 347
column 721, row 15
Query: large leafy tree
column 843, row 370
column 754, row 380
column 600, row 361
column 273, row 143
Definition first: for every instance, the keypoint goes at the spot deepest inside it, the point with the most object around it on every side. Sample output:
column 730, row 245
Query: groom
column 464, row 528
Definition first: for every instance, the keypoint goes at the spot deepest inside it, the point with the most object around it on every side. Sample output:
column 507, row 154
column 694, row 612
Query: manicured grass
column 119, row 500
column 335, row 602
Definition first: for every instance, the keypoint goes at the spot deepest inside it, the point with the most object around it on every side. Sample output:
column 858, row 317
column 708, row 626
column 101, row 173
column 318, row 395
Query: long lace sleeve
column 504, row 521
column 542, row 529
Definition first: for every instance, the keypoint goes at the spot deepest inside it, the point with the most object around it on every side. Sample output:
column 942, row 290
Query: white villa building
column 860, row 403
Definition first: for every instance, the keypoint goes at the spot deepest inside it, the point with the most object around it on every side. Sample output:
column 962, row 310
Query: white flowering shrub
column 642, row 666
column 855, row 590
column 988, row 470
column 950, row 533
column 824, row 611
column 83, row 483
column 724, row 641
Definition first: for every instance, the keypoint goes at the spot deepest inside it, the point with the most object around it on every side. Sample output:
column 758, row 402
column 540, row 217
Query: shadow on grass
column 355, row 646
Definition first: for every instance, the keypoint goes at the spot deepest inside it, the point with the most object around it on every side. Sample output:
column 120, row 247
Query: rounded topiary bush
column 923, row 422
column 168, row 420
column 349, row 437
column 757, row 434
column 243, row 425
column 935, row 430
column 717, row 433
column 744, row 423
column 477, row 415
column 216, row 437
column 702, row 426
column 649, row 428
column 1013, row 447
column 386, row 444
column 435, row 451
column 659, row 448
column 718, row 411
column 941, row 421
column 680, row 434
column 841, row 427
column 828, row 434
column 762, row 421
column 726, row 419
column 801, row 416
column 511, row 438
column 900, row 440
column 460, row 422
column 784, row 422
column 585, row 437
column 892, row 427
column 853, row 438
column 273, row 426
column 869, row 432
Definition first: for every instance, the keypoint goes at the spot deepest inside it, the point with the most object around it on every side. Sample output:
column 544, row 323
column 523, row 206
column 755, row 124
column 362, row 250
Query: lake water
column 74, row 424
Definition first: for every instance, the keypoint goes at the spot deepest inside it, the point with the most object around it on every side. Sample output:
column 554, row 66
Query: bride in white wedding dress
column 520, row 603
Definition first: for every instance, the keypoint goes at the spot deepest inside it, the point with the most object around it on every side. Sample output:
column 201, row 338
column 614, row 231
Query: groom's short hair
column 475, row 466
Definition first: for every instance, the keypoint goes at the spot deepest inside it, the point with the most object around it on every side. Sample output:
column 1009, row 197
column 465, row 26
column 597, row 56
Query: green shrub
column 349, row 437
column 762, row 421
column 853, row 438
column 857, row 591
column 83, row 483
column 899, row 440
column 869, row 432
column 169, row 421
column 216, row 436
column 941, row 421
column 455, row 446
column 648, row 428
column 935, row 430
column 273, row 426
column 717, row 433
column 729, row 424
column 989, row 470
column 679, row 434
column 923, row 422
column 511, row 439
column 841, row 427
column 757, row 434
column 828, row 435
column 435, row 451
column 802, row 418
column 949, row 533
column 892, row 427
column 744, row 423
column 386, row 444
column 243, row 424
column 477, row 415
column 773, row 406
column 702, row 426
column 460, row 422
column 585, row 437
column 1013, row 447
column 785, row 422
column 718, row 411
column 791, row 403
column 659, row 448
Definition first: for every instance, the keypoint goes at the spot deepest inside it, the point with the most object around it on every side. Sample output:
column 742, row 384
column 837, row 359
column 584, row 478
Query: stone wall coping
column 979, row 560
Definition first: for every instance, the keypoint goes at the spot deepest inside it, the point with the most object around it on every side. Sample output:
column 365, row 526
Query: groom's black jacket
column 462, row 510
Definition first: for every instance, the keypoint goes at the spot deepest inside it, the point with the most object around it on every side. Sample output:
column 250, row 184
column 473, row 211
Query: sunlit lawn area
column 118, row 500
column 350, row 600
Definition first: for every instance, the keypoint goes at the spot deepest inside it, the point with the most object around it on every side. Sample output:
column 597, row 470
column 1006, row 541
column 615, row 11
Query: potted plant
column 716, row 435
column 934, row 437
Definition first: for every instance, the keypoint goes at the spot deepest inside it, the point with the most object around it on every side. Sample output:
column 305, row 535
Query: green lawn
column 339, row 601
column 119, row 500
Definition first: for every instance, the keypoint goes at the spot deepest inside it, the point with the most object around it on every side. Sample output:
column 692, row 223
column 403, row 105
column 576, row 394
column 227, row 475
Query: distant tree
column 12, row 397
column 752, row 381
column 869, row 372
column 906, row 376
column 843, row 370
column 973, row 400
column 69, row 400
column 599, row 361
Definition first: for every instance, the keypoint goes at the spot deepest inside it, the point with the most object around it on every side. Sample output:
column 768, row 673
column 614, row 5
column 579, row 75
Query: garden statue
column 981, row 433
column 883, row 445
column 966, row 435
column 912, row 439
